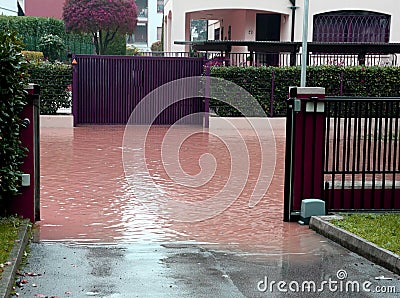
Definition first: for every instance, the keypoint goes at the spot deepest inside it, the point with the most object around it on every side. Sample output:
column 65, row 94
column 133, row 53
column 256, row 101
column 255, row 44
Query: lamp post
column 304, row 45
column 293, row 8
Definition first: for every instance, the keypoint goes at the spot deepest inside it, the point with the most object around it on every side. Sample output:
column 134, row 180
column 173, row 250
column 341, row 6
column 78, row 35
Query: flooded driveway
column 116, row 209
column 86, row 195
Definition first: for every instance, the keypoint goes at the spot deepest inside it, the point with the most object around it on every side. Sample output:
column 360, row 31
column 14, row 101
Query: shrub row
column 270, row 85
column 33, row 29
column 33, row 26
column 55, row 85
column 33, row 56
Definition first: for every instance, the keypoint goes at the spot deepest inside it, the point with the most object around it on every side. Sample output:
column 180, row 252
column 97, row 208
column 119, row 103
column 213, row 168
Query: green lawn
column 8, row 234
column 381, row 229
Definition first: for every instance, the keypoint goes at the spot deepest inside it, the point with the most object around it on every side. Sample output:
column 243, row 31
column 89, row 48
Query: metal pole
column 36, row 150
column 293, row 8
column 289, row 156
column 207, row 98
column 304, row 55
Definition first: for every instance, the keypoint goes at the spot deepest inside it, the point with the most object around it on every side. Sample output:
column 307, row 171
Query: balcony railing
column 285, row 59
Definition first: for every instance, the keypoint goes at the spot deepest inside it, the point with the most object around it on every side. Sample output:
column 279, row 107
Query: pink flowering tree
column 101, row 18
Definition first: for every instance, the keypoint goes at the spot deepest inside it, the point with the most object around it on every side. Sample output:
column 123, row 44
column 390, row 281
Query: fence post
column 207, row 97
column 75, row 89
column 271, row 109
column 341, row 83
column 305, row 139
column 289, row 156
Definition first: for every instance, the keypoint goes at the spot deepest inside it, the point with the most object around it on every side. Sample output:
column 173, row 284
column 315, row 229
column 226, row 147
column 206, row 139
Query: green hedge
column 32, row 29
column 266, row 84
column 13, row 99
column 55, row 80
column 271, row 84
column 33, row 26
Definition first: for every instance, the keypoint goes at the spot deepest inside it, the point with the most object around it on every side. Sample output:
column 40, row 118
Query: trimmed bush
column 267, row 84
column 157, row 46
column 33, row 26
column 270, row 85
column 132, row 51
column 52, row 46
column 13, row 99
column 33, row 56
column 55, row 80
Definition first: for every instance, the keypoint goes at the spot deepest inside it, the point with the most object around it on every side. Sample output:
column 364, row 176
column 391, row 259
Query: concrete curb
column 367, row 249
column 8, row 276
column 59, row 121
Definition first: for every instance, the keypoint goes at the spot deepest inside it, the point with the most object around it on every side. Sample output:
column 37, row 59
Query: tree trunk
column 101, row 43
column 96, row 42
column 108, row 38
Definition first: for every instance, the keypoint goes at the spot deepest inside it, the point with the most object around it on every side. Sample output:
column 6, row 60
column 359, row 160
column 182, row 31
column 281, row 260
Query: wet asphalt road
column 196, row 270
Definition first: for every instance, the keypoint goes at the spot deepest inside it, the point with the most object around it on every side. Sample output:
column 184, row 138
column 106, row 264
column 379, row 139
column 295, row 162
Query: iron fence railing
column 362, row 146
column 353, row 60
column 74, row 44
column 351, row 26
column 284, row 59
column 168, row 54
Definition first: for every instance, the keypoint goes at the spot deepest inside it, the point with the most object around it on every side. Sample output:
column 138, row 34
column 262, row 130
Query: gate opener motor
column 311, row 207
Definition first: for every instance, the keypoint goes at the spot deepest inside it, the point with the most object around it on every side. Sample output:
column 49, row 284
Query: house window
column 198, row 30
column 217, row 33
column 351, row 26
column 159, row 33
column 160, row 6
column 142, row 8
column 140, row 35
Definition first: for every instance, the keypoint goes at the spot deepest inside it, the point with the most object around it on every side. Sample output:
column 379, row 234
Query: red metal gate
column 345, row 151
column 106, row 89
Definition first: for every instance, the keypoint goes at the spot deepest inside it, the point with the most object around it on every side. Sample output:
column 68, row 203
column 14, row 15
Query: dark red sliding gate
column 345, row 151
column 362, row 146
column 106, row 89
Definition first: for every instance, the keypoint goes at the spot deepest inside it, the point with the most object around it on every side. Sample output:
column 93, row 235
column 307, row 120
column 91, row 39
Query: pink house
column 44, row 8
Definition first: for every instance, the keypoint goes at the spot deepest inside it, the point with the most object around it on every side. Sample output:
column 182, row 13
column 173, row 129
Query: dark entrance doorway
column 268, row 28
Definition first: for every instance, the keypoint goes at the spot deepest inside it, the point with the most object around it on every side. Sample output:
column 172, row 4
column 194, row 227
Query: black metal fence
column 169, row 54
column 283, row 59
column 362, row 153
column 74, row 44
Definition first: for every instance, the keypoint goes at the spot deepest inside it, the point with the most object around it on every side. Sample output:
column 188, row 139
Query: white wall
column 181, row 11
column 212, row 25
column 167, row 25
column 8, row 7
column 154, row 21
